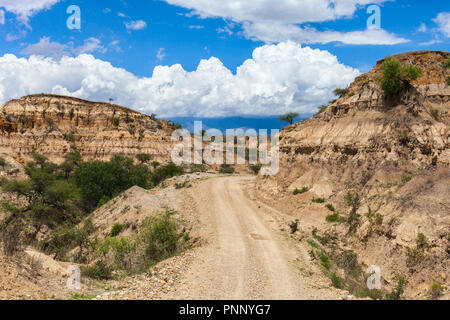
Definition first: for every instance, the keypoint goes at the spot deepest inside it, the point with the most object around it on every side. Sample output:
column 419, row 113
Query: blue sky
column 304, row 49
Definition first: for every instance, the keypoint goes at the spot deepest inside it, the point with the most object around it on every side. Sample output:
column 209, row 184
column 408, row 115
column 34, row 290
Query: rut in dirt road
column 245, row 258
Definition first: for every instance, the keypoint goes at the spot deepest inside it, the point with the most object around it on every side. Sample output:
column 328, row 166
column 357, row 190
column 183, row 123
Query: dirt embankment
column 394, row 153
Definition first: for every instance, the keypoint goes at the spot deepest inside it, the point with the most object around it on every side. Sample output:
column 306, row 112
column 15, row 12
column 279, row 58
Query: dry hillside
column 56, row 125
column 394, row 154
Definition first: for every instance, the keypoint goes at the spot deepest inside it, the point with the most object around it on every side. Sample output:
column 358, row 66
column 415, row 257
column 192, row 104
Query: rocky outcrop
column 393, row 152
column 55, row 125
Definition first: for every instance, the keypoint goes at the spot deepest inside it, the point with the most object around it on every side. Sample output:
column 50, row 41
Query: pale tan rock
column 356, row 145
column 55, row 125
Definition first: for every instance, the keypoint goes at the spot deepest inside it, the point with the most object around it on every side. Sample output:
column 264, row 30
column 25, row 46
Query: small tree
column 322, row 108
column 340, row 92
column 289, row 117
column 256, row 168
column 394, row 75
column 2, row 162
column 40, row 159
column 143, row 158
column 155, row 164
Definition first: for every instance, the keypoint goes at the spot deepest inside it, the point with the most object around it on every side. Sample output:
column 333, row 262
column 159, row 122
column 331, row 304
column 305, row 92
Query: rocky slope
column 394, row 153
column 55, row 125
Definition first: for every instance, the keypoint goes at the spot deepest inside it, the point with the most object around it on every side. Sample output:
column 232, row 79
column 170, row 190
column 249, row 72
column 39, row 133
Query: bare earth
column 247, row 256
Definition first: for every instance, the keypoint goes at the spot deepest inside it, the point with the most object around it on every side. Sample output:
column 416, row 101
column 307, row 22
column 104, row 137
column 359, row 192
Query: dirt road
column 246, row 256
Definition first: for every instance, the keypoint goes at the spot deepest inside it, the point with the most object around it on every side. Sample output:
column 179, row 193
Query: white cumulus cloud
column 136, row 25
column 278, row 78
column 275, row 21
column 47, row 48
column 26, row 8
column 443, row 21
column 283, row 32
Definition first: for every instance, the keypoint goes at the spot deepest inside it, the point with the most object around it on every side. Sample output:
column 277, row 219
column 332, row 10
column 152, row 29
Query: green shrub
column 143, row 158
column 312, row 243
column 422, row 241
column 336, row 280
column 411, row 72
column 197, row 168
column 116, row 230
column 394, row 75
column 155, row 164
column 65, row 238
column 335, row 217
column 373, row 294
column 417, row 255
column 349, row 261
column 160, row 236
column 324, row 260
column 436, row 290
column 353, row 201
column 326, row 238
column 300, row 191
column 318, row 200
column 19, row 187
column 256, row 168
column 185, row 184
column 414, row 256
column 404, row 139
column 331, row 207
column 226, row 169
column 51, row 197
column 10, row 237
column 116, row 122
column 376, row 219
column 406, row 178
column 398, row 291
column 157, row 239
column 353, row 220
column 132, row 129
column 446, row 64
column 99, row 180
column 98, row 271
column 391, row 81
column 2, row 162
column 165, row 172
column 69, row 137
column 81, row 297
column 124, row 252
column 294, row 226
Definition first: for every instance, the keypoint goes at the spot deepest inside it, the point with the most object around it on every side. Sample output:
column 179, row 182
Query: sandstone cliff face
column 393, row 152
column 55, row 125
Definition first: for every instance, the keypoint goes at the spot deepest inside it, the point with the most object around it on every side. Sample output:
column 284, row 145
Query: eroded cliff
column 55, row 125
column 393, row 153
